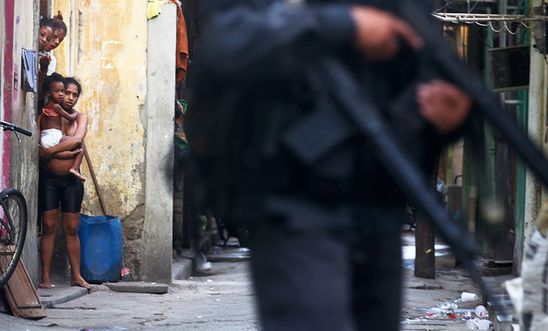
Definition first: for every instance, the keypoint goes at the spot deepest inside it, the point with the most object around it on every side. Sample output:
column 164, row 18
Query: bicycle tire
column 13, row 211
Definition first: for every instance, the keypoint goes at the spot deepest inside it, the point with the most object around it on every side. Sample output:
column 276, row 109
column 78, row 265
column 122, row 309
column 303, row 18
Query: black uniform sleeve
column 243, row 42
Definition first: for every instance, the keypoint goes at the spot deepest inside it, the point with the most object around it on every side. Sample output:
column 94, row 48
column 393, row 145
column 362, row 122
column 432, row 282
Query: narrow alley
column 223, row 299
column 311, row 134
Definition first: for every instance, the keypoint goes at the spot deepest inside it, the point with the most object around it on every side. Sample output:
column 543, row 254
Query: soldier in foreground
column 326, row 253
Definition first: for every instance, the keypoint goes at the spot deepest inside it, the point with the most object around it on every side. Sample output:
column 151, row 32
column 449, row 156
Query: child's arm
column 59, row 110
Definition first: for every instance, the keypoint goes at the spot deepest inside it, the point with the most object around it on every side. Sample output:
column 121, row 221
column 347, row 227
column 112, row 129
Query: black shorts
column 54, row 190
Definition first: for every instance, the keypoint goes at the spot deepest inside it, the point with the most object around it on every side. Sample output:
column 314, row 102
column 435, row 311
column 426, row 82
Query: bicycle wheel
column 13, row 230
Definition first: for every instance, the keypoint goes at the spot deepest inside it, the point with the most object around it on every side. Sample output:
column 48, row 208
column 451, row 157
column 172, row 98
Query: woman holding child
column 59, row 184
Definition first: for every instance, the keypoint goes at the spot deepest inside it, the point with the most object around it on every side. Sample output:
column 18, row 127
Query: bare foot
column 46, row 285
column 80, row 282
column 77, row 174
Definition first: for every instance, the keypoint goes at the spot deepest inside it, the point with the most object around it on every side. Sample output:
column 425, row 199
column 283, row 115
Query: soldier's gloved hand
column 379, row 33
column 443, row 104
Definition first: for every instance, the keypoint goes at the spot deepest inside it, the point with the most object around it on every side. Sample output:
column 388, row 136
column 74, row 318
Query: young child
column 44, row 52
column 59, row 34
column 51, row 124
column 45, row 36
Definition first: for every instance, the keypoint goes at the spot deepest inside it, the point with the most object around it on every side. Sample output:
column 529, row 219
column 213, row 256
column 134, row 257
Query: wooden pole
column 95, row 182
column 425, row 262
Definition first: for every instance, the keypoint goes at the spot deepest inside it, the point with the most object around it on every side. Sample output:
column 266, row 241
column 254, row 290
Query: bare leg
column 49, row 228
column 70, row 225
column 75, row 169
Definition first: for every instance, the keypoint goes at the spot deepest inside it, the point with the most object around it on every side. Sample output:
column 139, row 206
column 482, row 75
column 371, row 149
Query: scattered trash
column 125, row 274
column 467, row 297
column 451, row 310
column 481, row 312
column 478, row 324
column 445, row 310
column 449, row 306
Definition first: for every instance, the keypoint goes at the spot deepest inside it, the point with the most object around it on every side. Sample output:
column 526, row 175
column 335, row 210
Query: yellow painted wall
column 105, row 49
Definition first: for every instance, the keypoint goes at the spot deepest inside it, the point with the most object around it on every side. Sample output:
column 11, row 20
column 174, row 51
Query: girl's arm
column 63, row 113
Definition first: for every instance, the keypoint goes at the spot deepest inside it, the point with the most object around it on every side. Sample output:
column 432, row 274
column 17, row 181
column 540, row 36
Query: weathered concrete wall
column 159, row 146
column 24, row 173
column 23, row 159
column 128, row 95
column 105, row 50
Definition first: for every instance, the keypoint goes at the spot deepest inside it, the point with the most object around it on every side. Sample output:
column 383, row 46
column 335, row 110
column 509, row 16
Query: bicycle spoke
column 13, row 215
column 13, row 224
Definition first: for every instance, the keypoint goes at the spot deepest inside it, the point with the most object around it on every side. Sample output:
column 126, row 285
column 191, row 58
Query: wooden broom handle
column 95, row 183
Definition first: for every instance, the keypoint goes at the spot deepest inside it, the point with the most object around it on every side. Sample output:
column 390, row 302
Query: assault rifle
column 367, row 119
column 358, row 114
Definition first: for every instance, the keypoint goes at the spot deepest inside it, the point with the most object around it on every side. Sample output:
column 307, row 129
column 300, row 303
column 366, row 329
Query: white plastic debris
column 481, row 312
column 449, row 306
column 478, row 324
column 467, row 297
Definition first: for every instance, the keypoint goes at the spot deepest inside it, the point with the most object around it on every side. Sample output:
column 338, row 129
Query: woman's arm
column 81, row 127
column 73, row 139
column 65, row 149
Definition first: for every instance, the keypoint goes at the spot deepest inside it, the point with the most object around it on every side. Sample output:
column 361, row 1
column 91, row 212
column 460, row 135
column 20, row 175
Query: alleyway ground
column 223, row 300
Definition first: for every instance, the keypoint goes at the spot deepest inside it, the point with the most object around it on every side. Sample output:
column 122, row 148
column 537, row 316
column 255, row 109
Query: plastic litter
column 467, row 297
column 449, row 306
column 478, row 324
column 481, row 312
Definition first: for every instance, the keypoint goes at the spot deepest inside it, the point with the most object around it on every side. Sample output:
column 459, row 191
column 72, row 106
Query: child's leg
column 75, row 169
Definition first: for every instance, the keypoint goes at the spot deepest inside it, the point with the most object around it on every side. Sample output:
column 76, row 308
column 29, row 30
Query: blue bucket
column 102, row 248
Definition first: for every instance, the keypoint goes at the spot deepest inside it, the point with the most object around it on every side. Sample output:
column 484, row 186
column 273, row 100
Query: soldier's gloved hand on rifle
column 443, row 105
column 378, row 37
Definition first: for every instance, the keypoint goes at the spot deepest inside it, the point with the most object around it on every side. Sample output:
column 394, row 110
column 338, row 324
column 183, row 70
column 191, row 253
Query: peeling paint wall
column 128, row 92
column 20, row 158
column 24, row 156
column 105, row 50
column 157, row 230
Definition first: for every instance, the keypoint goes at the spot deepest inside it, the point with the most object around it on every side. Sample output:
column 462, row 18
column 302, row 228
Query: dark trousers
column 328, row 268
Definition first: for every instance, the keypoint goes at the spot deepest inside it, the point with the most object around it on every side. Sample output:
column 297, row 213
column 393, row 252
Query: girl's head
column 73, row 90
column 54, row 88
column 59, row 30
column 45, row 34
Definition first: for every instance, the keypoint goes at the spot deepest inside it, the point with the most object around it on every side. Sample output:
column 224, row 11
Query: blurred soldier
column 326, row 253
